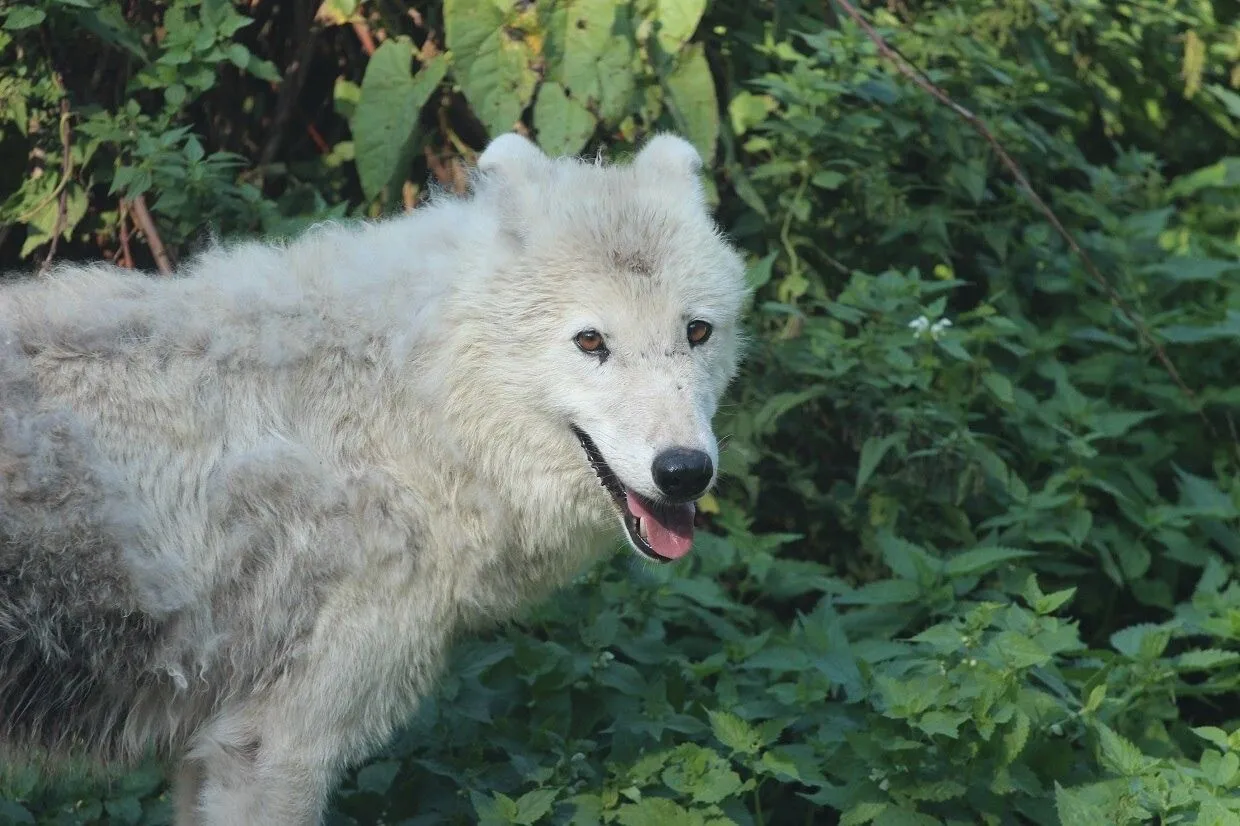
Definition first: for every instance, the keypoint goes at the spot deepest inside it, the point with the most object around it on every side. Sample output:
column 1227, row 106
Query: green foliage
column 974, row 557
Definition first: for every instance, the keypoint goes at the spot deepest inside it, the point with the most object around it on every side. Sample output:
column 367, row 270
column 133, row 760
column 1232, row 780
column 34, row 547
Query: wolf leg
column 186, row 791
column 247, row 788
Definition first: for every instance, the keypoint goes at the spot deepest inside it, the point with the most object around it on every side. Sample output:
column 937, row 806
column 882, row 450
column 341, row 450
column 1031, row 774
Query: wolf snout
column 681, row 474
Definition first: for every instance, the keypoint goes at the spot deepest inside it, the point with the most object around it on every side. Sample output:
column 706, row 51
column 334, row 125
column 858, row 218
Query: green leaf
column 884, row 592
column 701, row 774
column 778, row 765
column 657, row 811
column 124, row 810
column 1097, row 695
column 1000, row 386
column 532, row 806
column 591, row 52
column 1075, row 808
column 1015, row 738
column 945, row 723
column 872, row 452
column 337, row 12
column 492, row 60
column 1214, row 735
column 982, row 560
column 691, row 96
column 1145, row 641
column 675, row 21
column 828, row 179
column 23, row 17
column 780, row 403
column 747, row 110
column 388, row 106
column 562, row 123
column 1206, row 659
column 1192, row 269
column 905, row 559
column 1223, row 174
column 734, row 732
column 1018, row 651
column 1203, row 496
column 971, row 178
column 1224, row 330
column 759, row 272
column 377, row 777
column 1118, row 754
column 1050, row 603
column 863, row 813
column 1116, row 424
column 905, row 817
column 239, row 55
column 497, row 810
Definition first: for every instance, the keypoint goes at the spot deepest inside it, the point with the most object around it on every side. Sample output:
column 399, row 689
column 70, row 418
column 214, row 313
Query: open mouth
column 658, row 530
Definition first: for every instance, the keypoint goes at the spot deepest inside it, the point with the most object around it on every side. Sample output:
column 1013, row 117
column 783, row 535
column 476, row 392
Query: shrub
column 974, row 555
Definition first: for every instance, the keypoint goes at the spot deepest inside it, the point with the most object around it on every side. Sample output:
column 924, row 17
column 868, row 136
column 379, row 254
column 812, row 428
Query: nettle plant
column 973, row 557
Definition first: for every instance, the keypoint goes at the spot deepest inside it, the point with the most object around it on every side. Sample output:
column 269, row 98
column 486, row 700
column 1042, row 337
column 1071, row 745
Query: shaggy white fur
column 244, row 510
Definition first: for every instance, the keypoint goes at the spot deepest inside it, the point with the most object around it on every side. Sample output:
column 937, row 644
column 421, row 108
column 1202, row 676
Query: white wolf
column 243, row 511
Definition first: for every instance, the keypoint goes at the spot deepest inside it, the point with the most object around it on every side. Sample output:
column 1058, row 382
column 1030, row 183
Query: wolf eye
column 699, row 331
column 591, row 341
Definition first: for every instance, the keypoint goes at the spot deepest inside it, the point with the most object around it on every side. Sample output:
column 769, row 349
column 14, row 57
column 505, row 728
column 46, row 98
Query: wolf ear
column 512, row 158
column 669, row 154
column 671, row 159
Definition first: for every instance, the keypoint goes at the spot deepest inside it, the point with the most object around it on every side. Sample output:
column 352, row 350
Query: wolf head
column 622, row 308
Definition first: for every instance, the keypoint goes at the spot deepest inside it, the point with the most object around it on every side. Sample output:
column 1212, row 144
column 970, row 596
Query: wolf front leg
column 274, row 758
column 224, row 782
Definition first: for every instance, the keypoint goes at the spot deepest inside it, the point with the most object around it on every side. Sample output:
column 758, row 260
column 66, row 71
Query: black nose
column 682, row 475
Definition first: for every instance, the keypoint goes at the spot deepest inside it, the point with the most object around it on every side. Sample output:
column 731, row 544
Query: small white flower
column 919, row 325
column 938, row 327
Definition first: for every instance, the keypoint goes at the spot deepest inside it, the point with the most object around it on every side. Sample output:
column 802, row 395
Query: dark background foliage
column 973, row 557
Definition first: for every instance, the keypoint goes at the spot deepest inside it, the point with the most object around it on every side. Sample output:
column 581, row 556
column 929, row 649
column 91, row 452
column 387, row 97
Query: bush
column 974, row 556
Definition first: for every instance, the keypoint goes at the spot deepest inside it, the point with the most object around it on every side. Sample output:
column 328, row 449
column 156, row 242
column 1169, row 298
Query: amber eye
column 699, row 331
column 591, row 341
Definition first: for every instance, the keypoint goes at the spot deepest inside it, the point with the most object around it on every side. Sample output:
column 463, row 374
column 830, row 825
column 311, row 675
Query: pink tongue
column 669, row 530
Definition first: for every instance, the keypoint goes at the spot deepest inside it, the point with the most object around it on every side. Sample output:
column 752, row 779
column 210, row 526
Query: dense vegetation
column 974, row 559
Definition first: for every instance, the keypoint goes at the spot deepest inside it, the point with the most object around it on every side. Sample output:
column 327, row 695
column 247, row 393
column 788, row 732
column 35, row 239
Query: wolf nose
column 683, row 475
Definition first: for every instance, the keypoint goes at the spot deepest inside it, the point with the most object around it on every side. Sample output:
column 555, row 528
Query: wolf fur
column 244, row 510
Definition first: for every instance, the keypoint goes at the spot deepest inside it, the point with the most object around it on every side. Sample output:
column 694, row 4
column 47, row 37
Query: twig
column 906, row 68
column 442, row 172
column 66, row 172
column 126, row 253
column 320, row 144
column 142, row 216
column 363, row 35
column 294, row 80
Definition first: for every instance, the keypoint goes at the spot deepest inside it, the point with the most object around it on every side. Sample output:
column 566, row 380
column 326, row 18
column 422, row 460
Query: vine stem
column 905, row 67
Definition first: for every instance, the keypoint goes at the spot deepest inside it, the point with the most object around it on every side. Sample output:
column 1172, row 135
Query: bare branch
column 146, row 223
column 294, row 80
column 66, row 173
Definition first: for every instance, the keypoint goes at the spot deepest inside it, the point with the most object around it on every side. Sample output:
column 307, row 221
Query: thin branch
column 443, row 173
column 294, row 80
column 66, row 172
column 364, row 36
column 126, row 253
column 906, row 68
column 146, row 223
column 319, row 144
